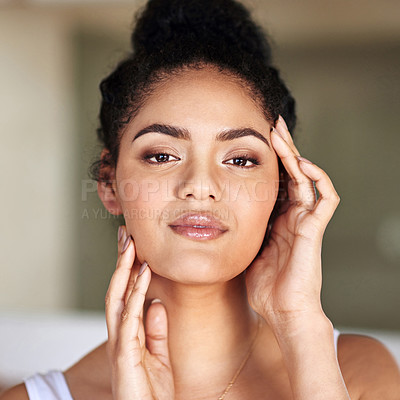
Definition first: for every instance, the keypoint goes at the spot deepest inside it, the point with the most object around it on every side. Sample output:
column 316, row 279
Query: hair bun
column 218, row 25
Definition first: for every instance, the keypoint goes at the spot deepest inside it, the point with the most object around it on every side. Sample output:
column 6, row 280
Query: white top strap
column 336, row 334
column 50, row 386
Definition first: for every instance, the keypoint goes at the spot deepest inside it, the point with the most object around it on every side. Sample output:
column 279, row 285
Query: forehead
column 203, row 99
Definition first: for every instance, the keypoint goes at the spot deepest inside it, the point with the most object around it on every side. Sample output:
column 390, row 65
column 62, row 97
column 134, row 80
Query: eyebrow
column 182, row 133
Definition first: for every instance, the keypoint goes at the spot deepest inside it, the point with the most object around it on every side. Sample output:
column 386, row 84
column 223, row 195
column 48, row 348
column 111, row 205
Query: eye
column 242, row 161
column 160, row 158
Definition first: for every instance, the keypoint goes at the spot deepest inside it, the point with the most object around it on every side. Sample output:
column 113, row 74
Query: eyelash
column 246, row 157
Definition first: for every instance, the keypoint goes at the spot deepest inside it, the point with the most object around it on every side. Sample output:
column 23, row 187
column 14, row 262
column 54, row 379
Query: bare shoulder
column 368, row 368
column 17, row 392
column 90, row 376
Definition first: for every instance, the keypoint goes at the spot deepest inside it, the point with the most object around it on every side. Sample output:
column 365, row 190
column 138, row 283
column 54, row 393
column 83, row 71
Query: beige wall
column 37, row 150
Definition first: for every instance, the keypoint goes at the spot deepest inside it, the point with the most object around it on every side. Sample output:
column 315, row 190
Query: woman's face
column 207, row 170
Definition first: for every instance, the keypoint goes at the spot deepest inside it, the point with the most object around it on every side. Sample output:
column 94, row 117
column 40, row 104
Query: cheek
column 253, row 204
column 257, row 196
column 142, row 202
column 266, row 192
column 142, row 219
column 147, row 205
column 140, row 192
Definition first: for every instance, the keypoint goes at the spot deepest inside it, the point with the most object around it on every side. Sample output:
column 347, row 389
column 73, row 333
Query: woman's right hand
column 138, row 355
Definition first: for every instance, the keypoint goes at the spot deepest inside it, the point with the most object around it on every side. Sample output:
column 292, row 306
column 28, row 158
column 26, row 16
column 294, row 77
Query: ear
column 106, row 188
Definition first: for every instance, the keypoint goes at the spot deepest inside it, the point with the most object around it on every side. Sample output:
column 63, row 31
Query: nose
column 198, row 182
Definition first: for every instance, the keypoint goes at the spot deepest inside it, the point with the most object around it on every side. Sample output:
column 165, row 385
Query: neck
column 210, row 328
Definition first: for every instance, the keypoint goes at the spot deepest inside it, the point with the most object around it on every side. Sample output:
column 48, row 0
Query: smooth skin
column 189, row 345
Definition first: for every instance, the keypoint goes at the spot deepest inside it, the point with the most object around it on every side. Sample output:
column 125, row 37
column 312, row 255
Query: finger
column 133, row 278
column 301, row 188
column 282, row 128
column 114, row 302
column 328, row 199
column 131, row 320
column 157, row 332
column 121, row 237
column 131, row 282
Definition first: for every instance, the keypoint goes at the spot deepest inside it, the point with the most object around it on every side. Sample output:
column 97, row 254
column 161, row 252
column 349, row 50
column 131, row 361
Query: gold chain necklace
column 233, row 380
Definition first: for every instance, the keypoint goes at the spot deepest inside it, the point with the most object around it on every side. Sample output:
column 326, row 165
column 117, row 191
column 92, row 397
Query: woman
column 216, row 293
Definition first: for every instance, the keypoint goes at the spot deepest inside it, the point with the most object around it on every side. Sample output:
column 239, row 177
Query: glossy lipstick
column 198, row 226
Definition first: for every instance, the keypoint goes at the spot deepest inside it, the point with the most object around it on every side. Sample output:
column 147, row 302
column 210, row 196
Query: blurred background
column 341, row 60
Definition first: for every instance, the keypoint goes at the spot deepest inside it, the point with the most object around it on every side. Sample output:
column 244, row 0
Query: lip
column 198, row 226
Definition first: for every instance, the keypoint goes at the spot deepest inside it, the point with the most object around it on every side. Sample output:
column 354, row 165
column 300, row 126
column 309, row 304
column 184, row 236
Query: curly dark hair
column 171, row 36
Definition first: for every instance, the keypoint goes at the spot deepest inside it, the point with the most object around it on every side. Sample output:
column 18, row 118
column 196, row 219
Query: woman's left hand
column 284, row 281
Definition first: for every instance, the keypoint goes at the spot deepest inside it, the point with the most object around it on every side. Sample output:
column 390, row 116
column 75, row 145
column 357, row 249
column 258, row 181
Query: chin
column 195, row 268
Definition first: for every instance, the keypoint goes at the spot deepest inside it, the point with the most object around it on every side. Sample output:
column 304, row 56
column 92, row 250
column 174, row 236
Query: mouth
column 198, row 226
column 197, row 232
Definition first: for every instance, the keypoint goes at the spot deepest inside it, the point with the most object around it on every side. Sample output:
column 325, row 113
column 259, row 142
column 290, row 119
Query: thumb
column 157, row 332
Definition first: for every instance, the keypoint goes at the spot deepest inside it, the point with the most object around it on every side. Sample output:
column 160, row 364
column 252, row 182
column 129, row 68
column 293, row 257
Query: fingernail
column 155, row 301
column 283, row 121
column 303, row 159
column 126, row 244
column 142, row 268
column 120, row 232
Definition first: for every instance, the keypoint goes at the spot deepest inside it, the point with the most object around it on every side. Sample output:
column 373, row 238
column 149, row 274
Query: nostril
column 196, row 189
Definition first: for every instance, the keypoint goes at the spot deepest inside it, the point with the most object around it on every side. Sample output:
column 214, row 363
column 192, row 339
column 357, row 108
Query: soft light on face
column 160, row 176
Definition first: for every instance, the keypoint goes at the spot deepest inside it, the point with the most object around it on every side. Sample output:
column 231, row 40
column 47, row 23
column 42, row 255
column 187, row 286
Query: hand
column 284, row 281
column 139, row 359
